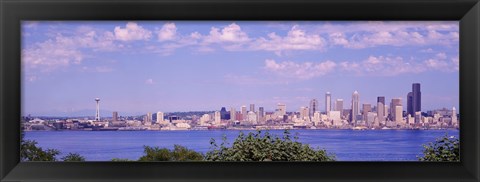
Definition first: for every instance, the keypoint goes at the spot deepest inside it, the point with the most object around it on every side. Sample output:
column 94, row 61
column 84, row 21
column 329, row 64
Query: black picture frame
column 13, row 11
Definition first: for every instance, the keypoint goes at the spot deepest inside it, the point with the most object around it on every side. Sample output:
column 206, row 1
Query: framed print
column 239, row 90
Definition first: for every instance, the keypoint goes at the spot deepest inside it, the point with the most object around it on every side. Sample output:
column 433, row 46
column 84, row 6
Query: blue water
column 347, row 145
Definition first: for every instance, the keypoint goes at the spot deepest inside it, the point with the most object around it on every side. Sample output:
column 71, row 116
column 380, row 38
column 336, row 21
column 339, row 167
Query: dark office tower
column 224, row 114
column 328, row 102
column 261, row 115
column 417, row 97
column 381, row 108
column 313, row 107
column 261, row 112
column 410, row 104
column 252, row 107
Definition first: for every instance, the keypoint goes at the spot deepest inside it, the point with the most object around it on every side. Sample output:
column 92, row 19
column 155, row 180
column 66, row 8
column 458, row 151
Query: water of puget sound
column 347, row 145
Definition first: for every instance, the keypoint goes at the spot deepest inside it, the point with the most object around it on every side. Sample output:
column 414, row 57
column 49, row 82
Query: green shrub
column 266, row 147
column 445, row 149
column 179, row 153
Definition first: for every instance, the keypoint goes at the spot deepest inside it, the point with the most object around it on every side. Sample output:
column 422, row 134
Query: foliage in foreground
column 179, row 153
column 266, row 147
column 73, row 157
column 445, row 149
column 29, row 151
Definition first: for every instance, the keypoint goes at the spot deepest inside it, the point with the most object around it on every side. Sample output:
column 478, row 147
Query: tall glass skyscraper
column 414, row 100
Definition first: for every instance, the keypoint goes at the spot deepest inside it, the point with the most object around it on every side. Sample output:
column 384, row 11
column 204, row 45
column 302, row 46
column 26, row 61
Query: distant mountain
column 83, row 113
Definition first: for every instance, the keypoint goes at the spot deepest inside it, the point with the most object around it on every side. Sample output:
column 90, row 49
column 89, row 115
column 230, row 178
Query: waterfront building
column 115, row 116
column 252, row 117
column 304, row 113
column 398, row 113
column 316, row 117
column 217, row 117
column 261, row 115
column 282, row 108
column 371, row 117
column 204, row 119
column 381, row 108
column 160, row 118
column 233, row 113
column 454, row 117
column 224, row 114
column 244, row 113
column 418, row 117
column 355, row 106
column 339, row 105
column 393, row 112
column 313, row 107
column 366, row 108
column 328, row 102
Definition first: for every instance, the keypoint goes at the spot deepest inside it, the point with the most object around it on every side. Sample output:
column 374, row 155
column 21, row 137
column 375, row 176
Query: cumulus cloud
column 51, row 54
column 167, row 32
column 305, row 70
column 296, row 39
column 230, row 34
column 132, row 31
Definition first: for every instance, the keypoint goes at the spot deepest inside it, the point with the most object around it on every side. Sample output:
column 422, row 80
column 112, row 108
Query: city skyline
column 139, row 67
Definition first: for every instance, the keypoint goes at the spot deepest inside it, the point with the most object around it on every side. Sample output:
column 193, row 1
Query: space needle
column 97, row 115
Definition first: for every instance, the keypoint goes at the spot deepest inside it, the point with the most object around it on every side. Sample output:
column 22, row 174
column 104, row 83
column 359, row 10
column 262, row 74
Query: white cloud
column 167, row 32
column 230, row 34
column 305, row 70
column 51, row 54
column 132, row 31
column 296, row 39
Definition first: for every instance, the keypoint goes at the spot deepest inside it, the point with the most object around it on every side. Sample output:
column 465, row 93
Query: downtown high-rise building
column 244, row 112
column 414, row 100
column 381, row 108
column 252, row 107
column 313, row 107
column 160, row 117
column 233, row 114
column 366, row 108
column 115, row 116
column 339, row 105
column 355, row 106
column 328, row 102
column 393, row 108
column 261, row 115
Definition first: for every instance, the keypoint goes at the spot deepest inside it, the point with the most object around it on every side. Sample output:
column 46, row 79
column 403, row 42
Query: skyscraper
column 365, row 109
column 115, row 116
column 313, row 107
column 160, row 117
column 454, row 117
column 328, row 102
column 252, row 107
column 217, row 117
column 233, row 114
column 303, row 112
column 381, row 108
column 244, row 112
column 355, row 106
column 339, row 105
column 224, row 114
column 393, row 108
column 261, row 115
column 409, row 104
column 416, row 98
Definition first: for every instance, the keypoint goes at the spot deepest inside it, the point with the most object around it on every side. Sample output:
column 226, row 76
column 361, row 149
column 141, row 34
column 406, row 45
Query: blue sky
column 149, row 66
